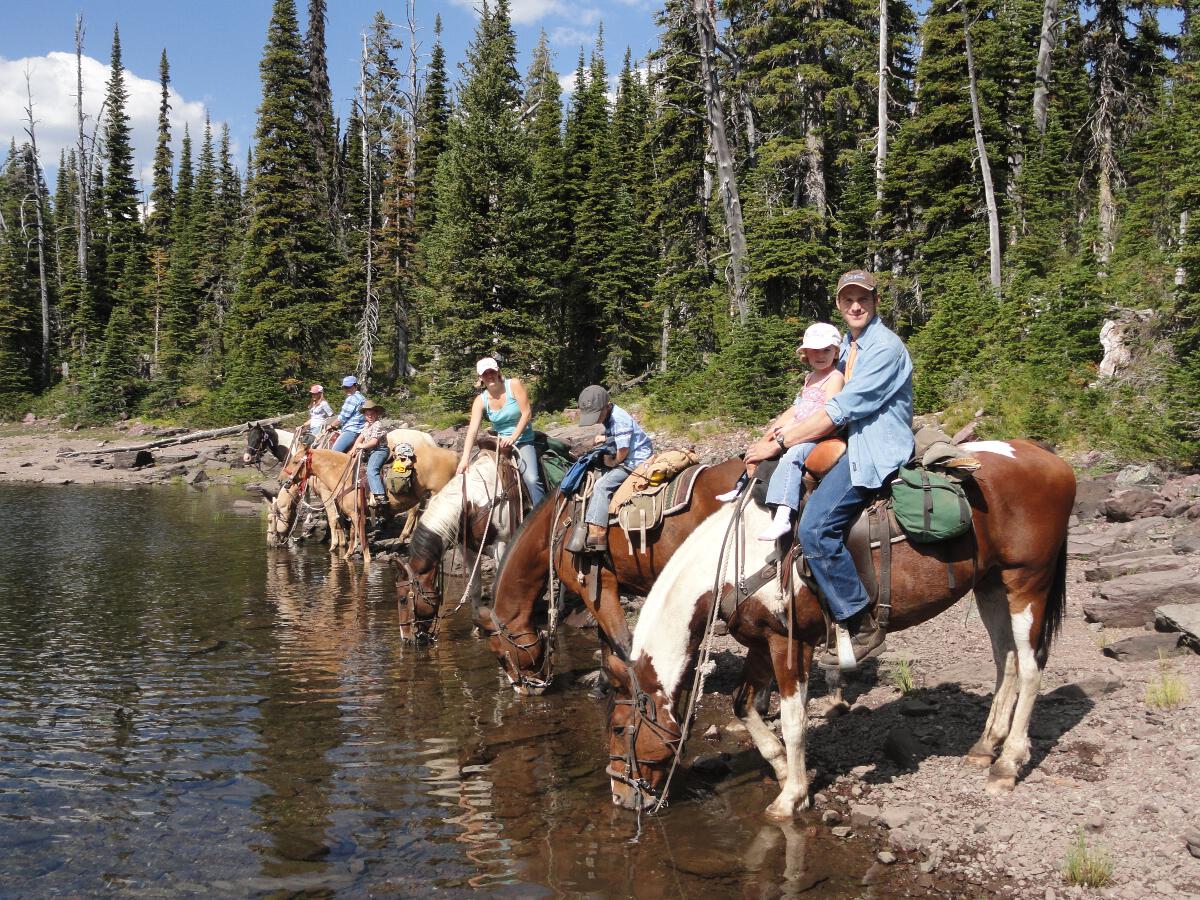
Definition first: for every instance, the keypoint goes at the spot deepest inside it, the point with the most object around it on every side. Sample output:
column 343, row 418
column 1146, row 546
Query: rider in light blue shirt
column 350, row 418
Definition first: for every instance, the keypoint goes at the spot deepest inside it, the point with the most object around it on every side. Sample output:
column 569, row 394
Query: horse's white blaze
column 1003, row 448
column 443, row 516
column 662, row 628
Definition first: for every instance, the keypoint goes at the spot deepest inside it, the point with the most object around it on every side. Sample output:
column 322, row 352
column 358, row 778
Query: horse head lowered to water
column 514, row 636
column 1014, row 558
column 482, row 509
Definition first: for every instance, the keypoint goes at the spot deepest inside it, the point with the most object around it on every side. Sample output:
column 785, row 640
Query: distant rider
column 373, row 442
column 319, row 411
column 350, row 418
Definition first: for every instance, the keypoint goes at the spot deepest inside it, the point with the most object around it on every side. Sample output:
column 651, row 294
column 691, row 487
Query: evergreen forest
column 1018, row 173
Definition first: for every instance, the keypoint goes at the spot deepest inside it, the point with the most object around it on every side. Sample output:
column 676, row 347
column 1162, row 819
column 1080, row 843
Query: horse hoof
column 785, row 809
column 978, row 760
column 1002, row 779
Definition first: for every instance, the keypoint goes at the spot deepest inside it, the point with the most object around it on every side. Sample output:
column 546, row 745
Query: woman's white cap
column 486, row 364
column 819, row 336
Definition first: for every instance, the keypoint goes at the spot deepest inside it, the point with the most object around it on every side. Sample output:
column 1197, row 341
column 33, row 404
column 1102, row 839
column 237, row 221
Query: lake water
column 184, row 711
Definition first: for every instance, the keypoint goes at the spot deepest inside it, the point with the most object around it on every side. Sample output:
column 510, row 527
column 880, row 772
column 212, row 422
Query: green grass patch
column 901, row 674
column 1087, row 866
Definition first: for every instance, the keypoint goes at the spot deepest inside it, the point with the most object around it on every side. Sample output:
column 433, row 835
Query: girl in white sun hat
column 820, row 350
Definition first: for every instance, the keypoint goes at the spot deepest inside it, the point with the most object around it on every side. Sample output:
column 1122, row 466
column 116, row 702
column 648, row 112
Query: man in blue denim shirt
column 875, row 408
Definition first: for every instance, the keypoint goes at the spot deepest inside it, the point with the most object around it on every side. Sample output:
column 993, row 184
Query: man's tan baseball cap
column 856, row 276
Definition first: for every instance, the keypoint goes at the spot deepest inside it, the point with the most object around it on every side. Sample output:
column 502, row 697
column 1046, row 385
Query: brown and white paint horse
column 520, row 646
column 486, row 502
column 1015, row 559
column 264, row 438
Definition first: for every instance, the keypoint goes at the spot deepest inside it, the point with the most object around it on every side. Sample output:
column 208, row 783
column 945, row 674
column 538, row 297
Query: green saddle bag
column 555, row 457
column 929, row 506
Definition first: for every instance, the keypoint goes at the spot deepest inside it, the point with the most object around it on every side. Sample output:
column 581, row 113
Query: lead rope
column 737, row 529
column 552, row 580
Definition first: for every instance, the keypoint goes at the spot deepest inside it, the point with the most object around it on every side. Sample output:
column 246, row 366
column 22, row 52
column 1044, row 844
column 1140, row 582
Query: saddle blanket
column 643, row 512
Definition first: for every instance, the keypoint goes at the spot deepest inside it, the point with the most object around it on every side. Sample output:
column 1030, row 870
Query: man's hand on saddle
column 766, row 447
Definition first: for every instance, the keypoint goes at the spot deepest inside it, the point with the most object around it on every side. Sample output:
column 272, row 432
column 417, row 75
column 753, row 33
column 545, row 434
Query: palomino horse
column 261, row 438
column 521, row 648
column 434, row 467
column 1014, row 558
column 483, row 506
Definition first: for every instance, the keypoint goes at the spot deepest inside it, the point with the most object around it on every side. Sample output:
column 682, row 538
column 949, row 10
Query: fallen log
column 180, row 439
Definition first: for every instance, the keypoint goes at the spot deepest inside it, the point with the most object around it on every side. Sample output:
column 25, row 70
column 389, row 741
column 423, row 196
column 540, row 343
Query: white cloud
column 569, row 38
column 52, row 81
column 522, row 12
column 567, row 83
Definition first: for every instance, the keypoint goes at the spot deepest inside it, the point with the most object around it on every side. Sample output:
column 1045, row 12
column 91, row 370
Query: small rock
column 199, row 476
column 842, row 831
column 887, row 857
column 1109, row 567
column 934, row 860
column 29, row 419
column 1180, row 617
column 712, row 733
column 820, row 798
column 863, row 814
column 1125, row 505
column 1133, row 475
column 132, row 459
column 899, row 816
column 24, row 465
column 50, row 468
column 925, row 880
column 831, row 817
column 1094, row 822
column 908, row 839
column 735, row 726
column 1187, row 541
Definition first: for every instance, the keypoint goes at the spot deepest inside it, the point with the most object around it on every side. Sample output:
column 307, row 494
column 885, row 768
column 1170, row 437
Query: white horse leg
column 794, row 717
column 1002, row 777
column 764, row 739
column 992, row 602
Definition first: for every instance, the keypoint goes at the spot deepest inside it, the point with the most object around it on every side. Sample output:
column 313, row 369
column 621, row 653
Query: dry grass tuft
column 1167, row 691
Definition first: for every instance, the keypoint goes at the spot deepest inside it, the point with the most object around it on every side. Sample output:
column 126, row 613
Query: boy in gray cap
column 627, row 448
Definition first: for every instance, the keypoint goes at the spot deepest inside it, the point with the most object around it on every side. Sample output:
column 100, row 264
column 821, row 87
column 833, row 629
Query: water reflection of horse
column 327, row 470
column 1014, row 558
column 521, row 583
column 483, row 508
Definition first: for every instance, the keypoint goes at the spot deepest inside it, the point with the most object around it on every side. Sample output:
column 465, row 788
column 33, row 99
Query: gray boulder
column 1089, row 494
column 1082, row 546
column 132, row 459
column 1131, row 563
column 1128, row 504
column 1129, row 601
column 1134, row 475
column 1144, row 647
column 1180, row 617
column 1187, row 540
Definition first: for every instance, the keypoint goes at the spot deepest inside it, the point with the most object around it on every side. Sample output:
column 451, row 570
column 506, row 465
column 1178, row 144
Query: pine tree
column 16, row 363
column 474, row 300
column 319, row 117
column 159, row 220
column 281, row 315
column 180, row 306
column 1185, row 331
column 120, row 194
column 433, row 120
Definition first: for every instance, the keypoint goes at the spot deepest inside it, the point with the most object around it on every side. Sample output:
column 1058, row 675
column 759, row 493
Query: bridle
column 643, row 712
column 416, row 591
column 264, row 442
column 542, row 679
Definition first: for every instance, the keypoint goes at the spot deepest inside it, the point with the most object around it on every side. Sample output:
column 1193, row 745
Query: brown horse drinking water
column 1014, row 558
column 513, row 635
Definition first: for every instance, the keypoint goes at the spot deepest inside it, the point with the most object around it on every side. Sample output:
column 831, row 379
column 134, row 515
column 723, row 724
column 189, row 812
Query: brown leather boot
column 597, row 539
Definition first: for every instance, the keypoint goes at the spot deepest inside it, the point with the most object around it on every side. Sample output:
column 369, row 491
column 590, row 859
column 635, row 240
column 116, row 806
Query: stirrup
column 577, row 539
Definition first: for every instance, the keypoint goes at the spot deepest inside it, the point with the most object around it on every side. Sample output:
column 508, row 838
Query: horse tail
column 1056, row 607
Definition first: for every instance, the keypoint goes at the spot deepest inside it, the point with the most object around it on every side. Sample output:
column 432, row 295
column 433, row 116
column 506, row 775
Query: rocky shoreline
column 1107, row 765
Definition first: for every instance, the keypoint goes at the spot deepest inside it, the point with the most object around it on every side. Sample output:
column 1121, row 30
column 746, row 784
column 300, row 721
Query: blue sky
column 214, row 49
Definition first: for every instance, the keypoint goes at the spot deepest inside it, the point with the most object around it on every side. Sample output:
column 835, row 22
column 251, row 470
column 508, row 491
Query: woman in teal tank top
column 506, row 404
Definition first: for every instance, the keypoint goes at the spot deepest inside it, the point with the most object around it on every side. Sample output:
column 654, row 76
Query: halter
column 301, row 475
column 543, row 678
column 417, row 591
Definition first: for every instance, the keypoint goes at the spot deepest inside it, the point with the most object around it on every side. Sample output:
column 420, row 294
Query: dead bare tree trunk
column 985, row 169
column 1041, row 85
column 706, row 31
column 43, row 286
column 369, row 324
column 83, row 172
column 881, row 126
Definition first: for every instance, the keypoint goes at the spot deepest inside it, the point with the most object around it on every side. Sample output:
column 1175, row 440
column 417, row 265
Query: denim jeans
column 374, row 463
column 602, row 491
column 530, row 473
column 827, row 518
column 345, row 440
column 787, row 481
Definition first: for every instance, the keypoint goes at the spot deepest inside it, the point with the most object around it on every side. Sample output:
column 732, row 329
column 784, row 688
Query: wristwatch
column 779, row 440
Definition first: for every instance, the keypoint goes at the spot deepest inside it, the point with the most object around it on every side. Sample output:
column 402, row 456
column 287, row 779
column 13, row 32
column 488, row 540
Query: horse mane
column 443, row 516
column 662, row 629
